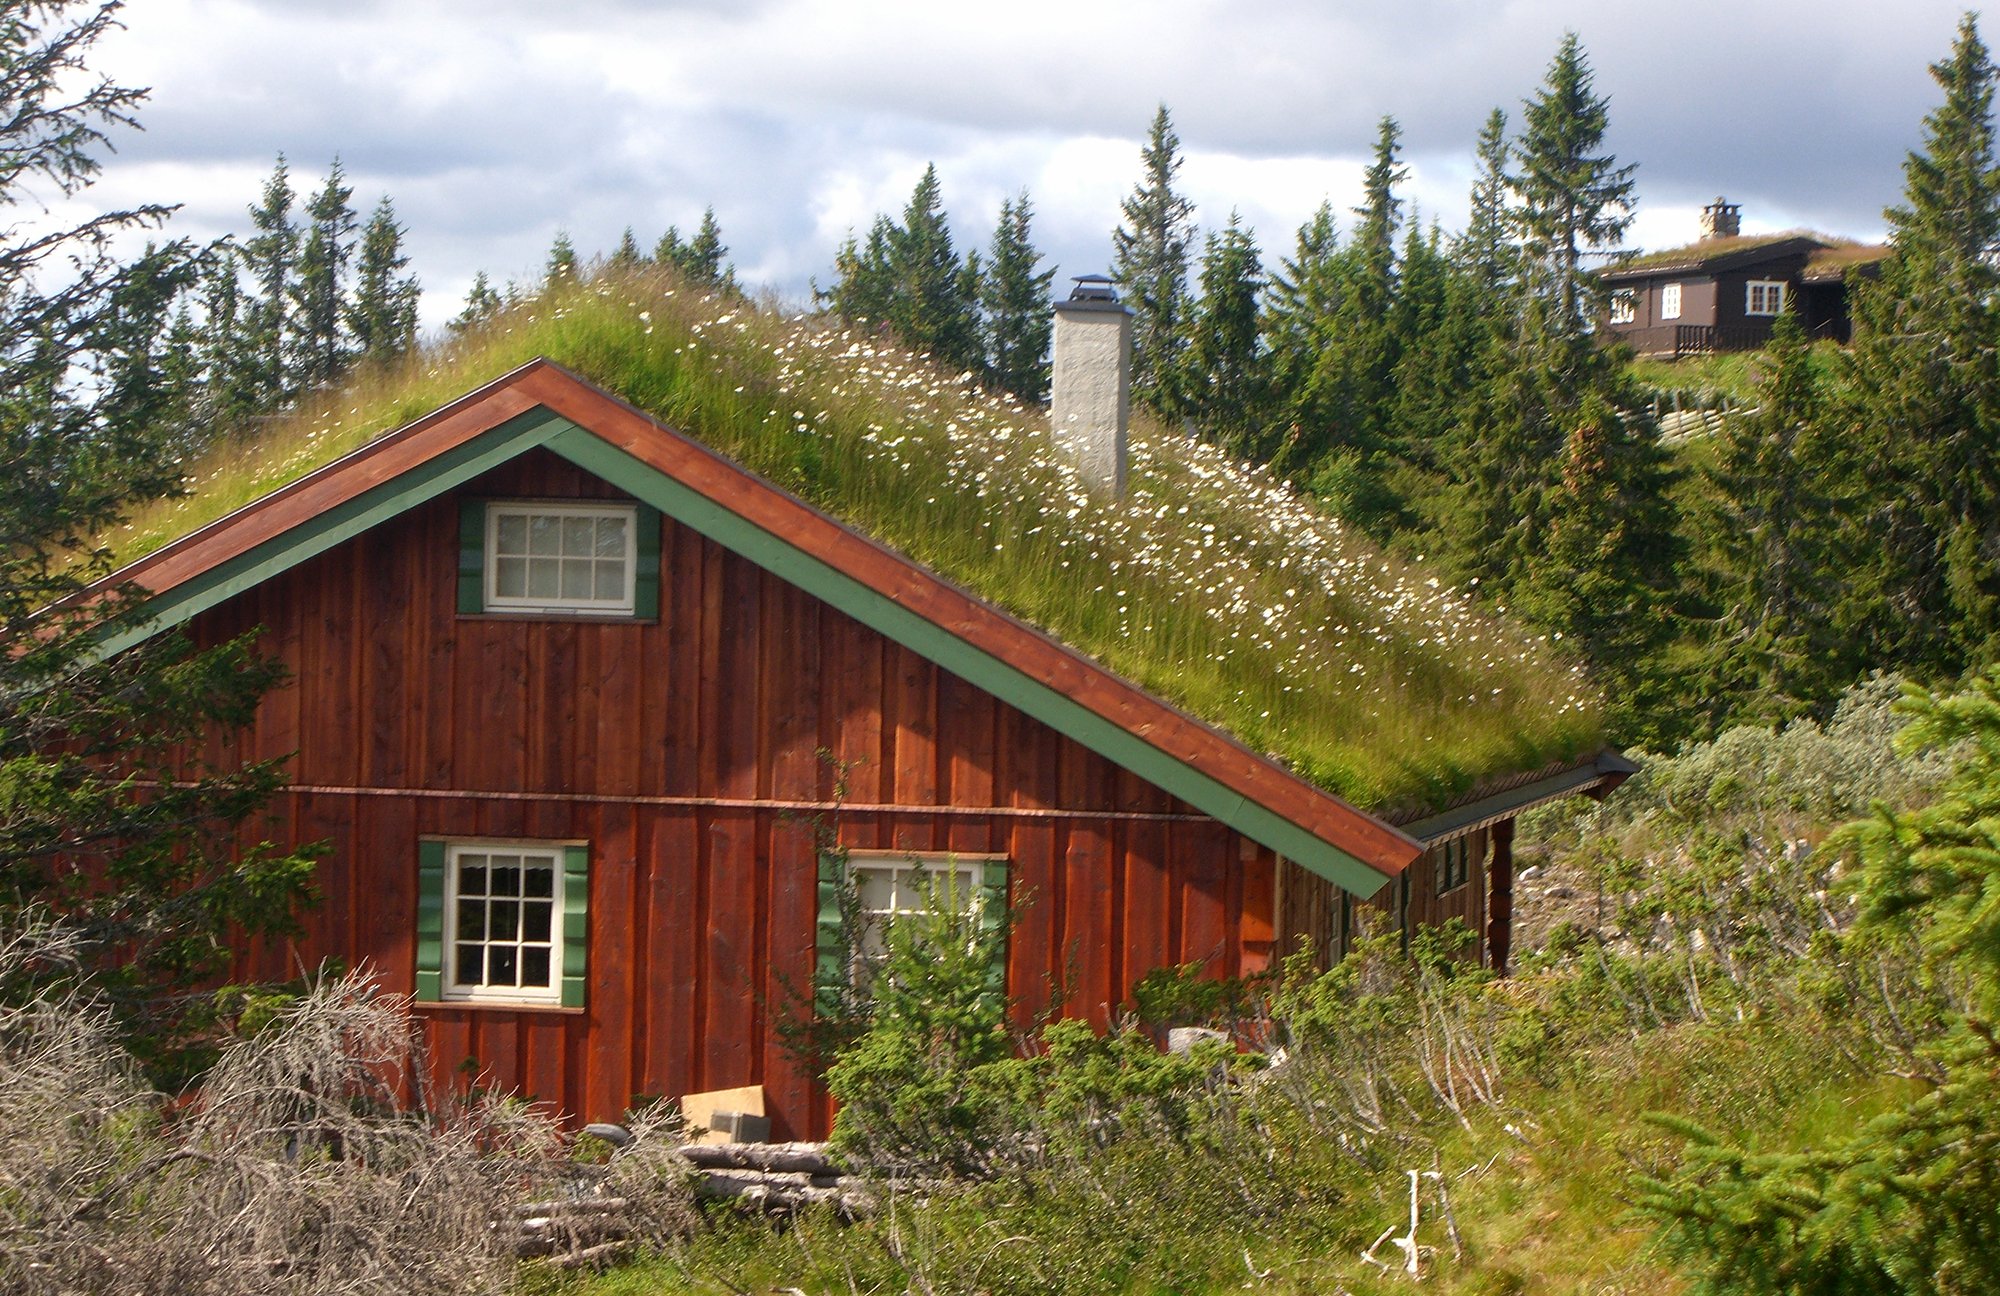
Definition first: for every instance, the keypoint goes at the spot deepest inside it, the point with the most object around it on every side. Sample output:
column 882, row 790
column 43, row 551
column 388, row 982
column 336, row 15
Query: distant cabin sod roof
column 1212, row 585
column 1827, row 257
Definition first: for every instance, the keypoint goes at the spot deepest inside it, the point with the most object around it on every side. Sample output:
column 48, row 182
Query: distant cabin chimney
column 1090, row 385
column 1721, row 219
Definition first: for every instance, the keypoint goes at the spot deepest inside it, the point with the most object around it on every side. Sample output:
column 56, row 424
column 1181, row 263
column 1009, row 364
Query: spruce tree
column 1345, row 442
column 482, row 303
column 383, row 316
column 1435, row 323
column 1150, row 260
column 107, row 824
column 1572, row 197
column 864, row 280
column 1014, row 297
column 1226, row 387
column 561, row 266
column 1769, row 565
column 626, row 255
column 1486, row 251
column 229, row 355
column 1603, row 572
column 1455, row 317
column 670, row 250
column 1303, row 292
column 270, row 258
column 320, row 292
column 931, row 307
column 704, row 257
column 1923, row 410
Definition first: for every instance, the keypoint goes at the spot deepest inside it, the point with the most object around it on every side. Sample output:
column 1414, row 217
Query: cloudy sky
column 496, row 123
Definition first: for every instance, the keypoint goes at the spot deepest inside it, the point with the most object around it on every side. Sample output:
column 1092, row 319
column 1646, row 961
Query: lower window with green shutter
column 862, row 892
column 502, row 922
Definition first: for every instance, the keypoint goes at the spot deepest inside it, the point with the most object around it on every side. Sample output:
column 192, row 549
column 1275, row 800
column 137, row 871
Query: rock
column 1182, row 1039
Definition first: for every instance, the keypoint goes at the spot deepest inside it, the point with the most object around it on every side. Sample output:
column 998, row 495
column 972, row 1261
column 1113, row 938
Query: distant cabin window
column 1765, row 297
column 555, row 558
column 501, row 922
column 1624, row 306
column 1670, row 302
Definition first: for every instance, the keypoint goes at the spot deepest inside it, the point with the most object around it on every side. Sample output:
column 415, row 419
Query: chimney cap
column 1093, row 287
column 1093, row 292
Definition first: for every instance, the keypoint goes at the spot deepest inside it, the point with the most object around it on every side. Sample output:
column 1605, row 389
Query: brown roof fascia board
column 1595, row 778
column 545, row 385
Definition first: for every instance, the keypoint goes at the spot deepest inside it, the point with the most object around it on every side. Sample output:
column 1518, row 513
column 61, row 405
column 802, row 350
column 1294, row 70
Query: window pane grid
column 553, row 556
column 1765, row 297
column 503, row 924
column 891, row 889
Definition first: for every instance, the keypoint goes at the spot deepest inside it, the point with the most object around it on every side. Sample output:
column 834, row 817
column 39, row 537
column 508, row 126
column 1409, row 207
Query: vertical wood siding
column 1309, row 908
column 679, row 751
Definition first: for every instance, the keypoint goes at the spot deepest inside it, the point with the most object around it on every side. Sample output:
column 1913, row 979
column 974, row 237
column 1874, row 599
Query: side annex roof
column 544, row 405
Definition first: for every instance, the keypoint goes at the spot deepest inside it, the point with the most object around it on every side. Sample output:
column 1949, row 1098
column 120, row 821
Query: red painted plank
column 729, row 1052
column 676, row 918
column 788, row 978
column 1086, row 946
column 1200, row 852
column 613, row 963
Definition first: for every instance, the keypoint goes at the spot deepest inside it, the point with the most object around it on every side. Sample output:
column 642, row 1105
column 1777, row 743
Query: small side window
column 1624, row 306
column 502, row 922
column 1670, row 302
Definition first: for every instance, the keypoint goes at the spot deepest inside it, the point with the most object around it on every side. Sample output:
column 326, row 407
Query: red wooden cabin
column 563, row 679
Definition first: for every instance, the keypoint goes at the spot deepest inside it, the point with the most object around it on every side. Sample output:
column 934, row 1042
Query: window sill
column 566, row 618
column 487, row 1005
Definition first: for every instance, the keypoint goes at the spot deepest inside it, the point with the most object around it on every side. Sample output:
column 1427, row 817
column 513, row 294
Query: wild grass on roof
column 1211, row 584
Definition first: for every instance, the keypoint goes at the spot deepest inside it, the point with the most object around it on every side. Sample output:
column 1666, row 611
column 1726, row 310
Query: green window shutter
column 576, row 923
column 830, row 965
column 646, row 580
column 471, row 556
column 430, row 921
column 993, row 918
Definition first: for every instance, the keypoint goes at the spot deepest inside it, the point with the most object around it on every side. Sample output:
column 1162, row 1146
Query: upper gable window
column 1670, row 302
column 569, row 557
column 1764, row 297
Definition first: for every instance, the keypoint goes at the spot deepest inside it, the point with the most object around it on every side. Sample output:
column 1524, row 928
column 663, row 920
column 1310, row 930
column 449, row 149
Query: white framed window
column 503, row 922
column 1670, row 301
column 1764, row 297
column 890, row 887
column 561, row 557
column 1624, row 306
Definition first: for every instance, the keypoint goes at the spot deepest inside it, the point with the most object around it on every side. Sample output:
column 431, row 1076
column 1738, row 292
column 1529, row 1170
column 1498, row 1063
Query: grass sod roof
column 1212, row 584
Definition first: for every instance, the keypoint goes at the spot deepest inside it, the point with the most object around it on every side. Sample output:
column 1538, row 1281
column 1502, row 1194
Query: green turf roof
column 1211, row 584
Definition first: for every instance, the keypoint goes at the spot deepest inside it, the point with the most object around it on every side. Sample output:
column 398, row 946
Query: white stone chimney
column 1721, row 219
column 1090, row 386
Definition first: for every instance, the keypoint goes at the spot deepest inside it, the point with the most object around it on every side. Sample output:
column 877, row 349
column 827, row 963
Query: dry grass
column 1212, row 584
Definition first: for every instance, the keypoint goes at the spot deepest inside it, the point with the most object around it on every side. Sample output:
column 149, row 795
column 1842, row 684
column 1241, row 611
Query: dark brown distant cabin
column 562, row 682
column 1724, row 292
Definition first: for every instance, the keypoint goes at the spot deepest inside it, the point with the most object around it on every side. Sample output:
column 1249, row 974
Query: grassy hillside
column 1543, row 1207
column 1212, row 584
